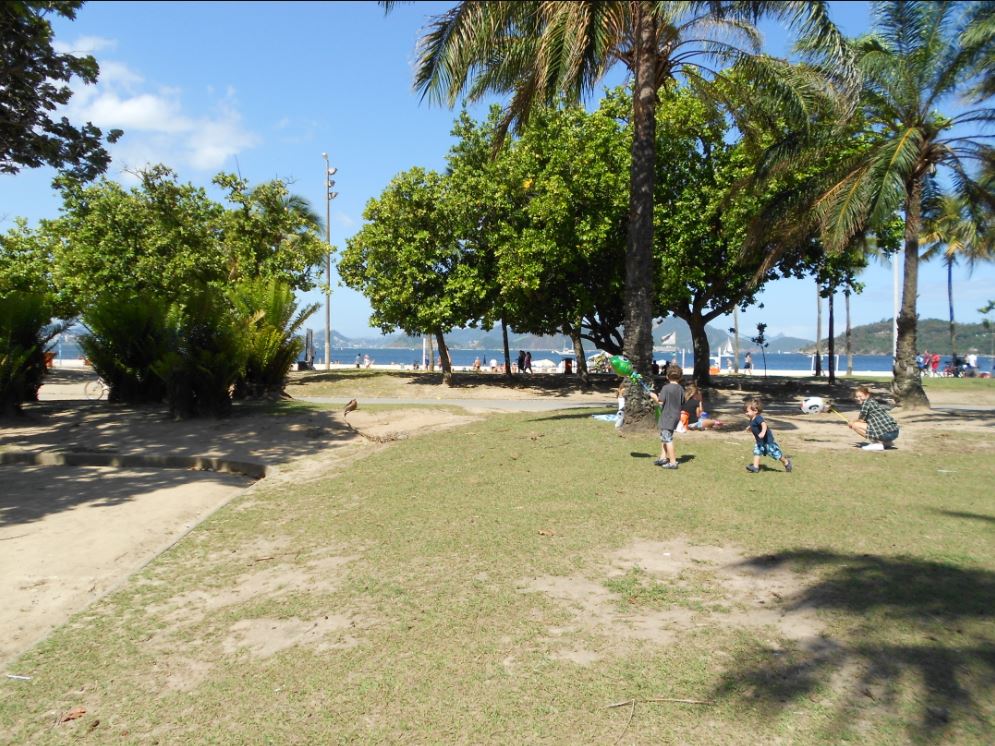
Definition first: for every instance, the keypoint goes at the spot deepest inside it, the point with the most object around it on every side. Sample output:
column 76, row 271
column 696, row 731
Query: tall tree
column 920, row 57
column 35, row 79
column 954, row 232
column 408, row 261
column 536, row 51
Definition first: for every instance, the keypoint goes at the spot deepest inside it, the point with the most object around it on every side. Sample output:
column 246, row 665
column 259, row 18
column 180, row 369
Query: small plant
column 761, row 341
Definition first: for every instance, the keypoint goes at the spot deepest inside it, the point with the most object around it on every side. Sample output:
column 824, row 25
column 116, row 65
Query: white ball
column 814, row 405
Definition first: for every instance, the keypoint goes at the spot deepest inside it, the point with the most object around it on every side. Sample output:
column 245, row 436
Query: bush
column 268, row 308
column 23, row 320
column 128, row 337
column 206, row 355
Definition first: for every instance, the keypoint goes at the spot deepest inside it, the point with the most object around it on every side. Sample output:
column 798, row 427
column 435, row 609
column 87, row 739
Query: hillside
column 931, row 334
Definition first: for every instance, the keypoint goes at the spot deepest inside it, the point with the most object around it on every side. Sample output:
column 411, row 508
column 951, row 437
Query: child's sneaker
column 670, row 465
column 752, row 469
column 787, row 466
column 873, row 447
column 660, row 462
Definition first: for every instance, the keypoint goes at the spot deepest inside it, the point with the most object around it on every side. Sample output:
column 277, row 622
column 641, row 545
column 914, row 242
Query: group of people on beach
column 682, row 409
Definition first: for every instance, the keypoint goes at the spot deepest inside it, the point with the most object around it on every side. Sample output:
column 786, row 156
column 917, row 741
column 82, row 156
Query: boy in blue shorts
column 764, row 437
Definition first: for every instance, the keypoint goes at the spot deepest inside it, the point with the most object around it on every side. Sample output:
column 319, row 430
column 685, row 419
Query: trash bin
column 568, row 367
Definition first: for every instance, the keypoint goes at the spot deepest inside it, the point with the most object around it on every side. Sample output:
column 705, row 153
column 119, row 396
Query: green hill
column 931, row 334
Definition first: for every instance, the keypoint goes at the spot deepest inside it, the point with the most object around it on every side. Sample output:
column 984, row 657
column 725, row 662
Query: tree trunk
column 907, row 386
column 831, row 340
column 431, row 355
column 950, row 301
column 702, row 351
column 639, row 300
column 639, row 295
column 574, row 332
column 447, row 366
column 818, row 329
column 507, row 352
column 735, row 341
column 849, row 334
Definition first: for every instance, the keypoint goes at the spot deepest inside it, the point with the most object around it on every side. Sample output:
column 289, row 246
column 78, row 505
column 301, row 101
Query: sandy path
column 61, row 550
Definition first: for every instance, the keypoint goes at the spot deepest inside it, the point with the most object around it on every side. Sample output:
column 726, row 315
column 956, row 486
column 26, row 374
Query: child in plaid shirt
column 873, row 422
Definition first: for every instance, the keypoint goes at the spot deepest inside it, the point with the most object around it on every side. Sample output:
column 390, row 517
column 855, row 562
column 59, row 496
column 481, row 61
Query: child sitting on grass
column 764, row 436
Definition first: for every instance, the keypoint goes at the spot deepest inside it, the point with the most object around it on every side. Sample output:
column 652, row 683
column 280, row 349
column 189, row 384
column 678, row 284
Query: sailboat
column 668, row 343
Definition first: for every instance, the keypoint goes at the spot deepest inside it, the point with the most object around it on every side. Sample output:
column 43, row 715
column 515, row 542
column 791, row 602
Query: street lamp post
column 330, row 171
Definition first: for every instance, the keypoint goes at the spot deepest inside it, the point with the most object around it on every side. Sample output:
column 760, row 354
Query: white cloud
column 84, row 45
column 144, row 112
column 214, row 141
column 158, row 126
column 116, row 73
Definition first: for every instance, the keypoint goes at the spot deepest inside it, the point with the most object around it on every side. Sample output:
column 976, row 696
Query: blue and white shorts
column 771, row 449
column 666, row 436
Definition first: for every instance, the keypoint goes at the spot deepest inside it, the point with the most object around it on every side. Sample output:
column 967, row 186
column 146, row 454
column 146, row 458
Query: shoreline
column 79, row 364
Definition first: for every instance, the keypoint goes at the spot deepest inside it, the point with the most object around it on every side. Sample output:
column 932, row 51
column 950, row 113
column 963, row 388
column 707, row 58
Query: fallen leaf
column 544, row 532
column 74, row 714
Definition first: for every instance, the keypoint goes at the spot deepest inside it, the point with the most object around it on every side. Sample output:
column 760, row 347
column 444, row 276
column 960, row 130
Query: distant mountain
column 480, row 339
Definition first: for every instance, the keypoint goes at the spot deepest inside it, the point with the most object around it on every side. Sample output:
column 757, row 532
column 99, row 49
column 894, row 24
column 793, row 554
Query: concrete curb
column 250, row 469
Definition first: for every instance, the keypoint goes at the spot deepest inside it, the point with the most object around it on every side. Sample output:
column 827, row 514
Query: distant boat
column 727, row 350
column 668, row 343
column 564, row 352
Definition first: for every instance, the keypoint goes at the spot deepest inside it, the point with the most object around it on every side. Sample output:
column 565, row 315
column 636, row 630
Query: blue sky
column 265, row 88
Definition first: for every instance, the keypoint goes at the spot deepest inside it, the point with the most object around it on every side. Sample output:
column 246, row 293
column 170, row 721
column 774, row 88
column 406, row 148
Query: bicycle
column 96, row 390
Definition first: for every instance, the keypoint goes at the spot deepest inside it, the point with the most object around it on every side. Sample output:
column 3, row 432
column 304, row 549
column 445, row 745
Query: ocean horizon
column 405, row 356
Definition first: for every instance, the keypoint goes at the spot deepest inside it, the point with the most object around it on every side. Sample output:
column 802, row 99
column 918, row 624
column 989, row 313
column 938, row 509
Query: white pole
column 328, row 268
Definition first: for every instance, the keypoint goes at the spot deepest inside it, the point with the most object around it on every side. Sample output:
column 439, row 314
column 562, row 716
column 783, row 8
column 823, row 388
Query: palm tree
column 954, row 231
column 920, row 56
column 537, row 51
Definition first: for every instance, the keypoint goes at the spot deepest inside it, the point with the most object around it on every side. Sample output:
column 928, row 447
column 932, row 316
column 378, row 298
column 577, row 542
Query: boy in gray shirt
column 671, row 397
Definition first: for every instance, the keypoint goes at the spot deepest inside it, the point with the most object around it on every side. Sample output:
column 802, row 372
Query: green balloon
column 621, row 366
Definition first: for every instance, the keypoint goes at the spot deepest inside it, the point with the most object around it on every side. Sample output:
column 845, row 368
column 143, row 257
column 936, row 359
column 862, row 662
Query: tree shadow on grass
column 969, row 516
column 949, row 607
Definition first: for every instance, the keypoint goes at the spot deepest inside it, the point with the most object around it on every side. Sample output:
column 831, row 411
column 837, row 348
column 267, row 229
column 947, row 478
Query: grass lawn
column 508, row 581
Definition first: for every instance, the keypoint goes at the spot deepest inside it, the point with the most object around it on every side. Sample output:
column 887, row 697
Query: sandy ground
column 70, row 534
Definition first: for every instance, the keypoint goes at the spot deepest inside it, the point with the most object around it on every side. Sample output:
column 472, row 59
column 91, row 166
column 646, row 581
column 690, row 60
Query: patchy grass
column 475, row 585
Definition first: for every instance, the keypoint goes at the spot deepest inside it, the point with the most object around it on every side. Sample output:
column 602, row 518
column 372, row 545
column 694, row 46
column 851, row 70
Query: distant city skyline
column 192, row 86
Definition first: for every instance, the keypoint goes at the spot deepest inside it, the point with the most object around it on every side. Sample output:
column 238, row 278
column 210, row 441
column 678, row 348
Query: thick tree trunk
column 831, row 340
column 702, row 351
column 950, row 301
column 639, row 295
column 639, row 300
column 849, row 334
column 447, row 366
column 907, row 387
column 818, row 329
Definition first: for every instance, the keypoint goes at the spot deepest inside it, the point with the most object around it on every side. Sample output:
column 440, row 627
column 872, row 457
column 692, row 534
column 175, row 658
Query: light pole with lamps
column 330, row 171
